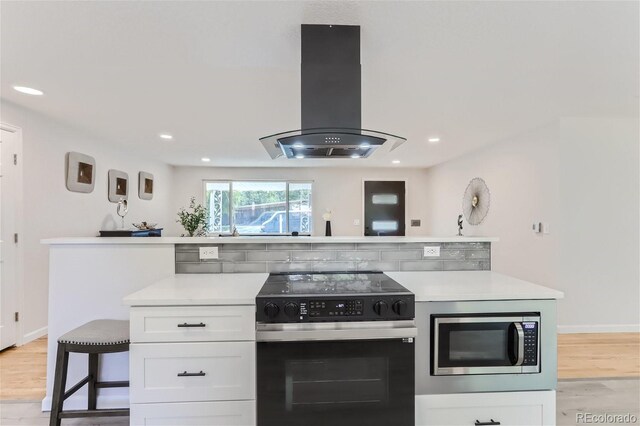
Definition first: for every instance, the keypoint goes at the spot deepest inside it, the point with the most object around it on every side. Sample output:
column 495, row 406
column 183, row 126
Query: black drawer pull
column 184, row 324
column 491, row 423
column 200, row 374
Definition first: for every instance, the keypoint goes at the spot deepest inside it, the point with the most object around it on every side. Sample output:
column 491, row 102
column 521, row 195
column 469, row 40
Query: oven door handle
column 374, row 330
column 520, row 353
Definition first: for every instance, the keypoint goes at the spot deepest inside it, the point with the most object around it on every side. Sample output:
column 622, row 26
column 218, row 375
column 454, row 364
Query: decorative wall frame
column 81, row 172
column 145, row 186
column 118, row 185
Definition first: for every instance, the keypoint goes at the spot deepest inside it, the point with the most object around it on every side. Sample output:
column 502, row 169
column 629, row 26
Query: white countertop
column 241, row 289
column 439, row 286
column 200, row 289
column 259, row 239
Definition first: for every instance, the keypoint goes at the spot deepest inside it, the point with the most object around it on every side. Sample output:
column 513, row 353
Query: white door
column 9, row 179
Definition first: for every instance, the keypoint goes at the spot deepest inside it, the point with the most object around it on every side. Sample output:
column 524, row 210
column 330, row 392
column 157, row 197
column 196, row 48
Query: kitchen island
column 89, row 277
column 226, row 304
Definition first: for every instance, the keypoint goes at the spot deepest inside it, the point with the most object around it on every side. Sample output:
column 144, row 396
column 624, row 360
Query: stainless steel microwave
column 501, row 343
column 485, row 346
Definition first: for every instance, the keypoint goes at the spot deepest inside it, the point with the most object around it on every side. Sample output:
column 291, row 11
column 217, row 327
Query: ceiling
column 219, row 75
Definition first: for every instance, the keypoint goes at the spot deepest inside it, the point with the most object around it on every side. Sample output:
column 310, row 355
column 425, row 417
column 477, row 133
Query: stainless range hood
column 331, row 100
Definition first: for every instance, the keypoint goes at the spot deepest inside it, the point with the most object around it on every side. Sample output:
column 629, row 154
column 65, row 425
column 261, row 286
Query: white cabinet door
column 225, row 413
column 176, row 372
column 192, row 323
column 504, row 408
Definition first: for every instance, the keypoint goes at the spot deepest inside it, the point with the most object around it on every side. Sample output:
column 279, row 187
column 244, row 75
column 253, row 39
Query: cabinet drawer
column 507, row 408
column 225, row 413
column 167, row 372
column 192, row 323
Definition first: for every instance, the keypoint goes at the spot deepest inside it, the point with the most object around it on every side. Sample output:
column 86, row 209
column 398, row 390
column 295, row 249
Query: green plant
column 195, row 220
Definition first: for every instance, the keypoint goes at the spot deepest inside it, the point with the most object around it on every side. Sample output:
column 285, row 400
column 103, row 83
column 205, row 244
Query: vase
column 327, row 229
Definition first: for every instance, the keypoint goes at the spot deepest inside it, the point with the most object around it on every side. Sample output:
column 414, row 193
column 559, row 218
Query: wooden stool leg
column 93, row 378
column 59, row 384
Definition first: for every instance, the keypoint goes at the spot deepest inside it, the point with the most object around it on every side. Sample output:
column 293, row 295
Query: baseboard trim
column 79, row 402
column 599, row 328
column 36, row 334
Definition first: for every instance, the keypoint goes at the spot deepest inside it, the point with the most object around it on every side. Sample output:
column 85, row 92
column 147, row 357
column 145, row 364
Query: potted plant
column 194, row 219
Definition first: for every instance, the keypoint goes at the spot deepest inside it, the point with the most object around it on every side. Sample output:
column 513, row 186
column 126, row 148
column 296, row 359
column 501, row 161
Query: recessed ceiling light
column 205, row 159
column 166, row 136
column 28, row 90
column 434, row 139
column 299, row 156
column 355, row 156
column 396, row 161
column 365, row 145
column 298, row 145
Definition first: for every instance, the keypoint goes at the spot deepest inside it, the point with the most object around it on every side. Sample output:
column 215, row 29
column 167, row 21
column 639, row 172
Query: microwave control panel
column 530, row 343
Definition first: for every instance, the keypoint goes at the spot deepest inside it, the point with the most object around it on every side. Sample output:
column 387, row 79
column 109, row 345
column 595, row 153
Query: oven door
column 336, row 374
column 464, row 345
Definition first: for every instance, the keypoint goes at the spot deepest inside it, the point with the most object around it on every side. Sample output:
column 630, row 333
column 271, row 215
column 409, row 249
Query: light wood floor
column 23, row 369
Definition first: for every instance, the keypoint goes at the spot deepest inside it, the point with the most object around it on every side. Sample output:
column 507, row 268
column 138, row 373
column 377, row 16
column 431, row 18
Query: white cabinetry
column 193, row 365
column 503, row 408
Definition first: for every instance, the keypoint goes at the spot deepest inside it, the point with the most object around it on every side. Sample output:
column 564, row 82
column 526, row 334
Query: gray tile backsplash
column 285, row 257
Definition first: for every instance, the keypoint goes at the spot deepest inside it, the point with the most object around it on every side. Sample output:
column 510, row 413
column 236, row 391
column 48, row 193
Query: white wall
column 50, row 210
column 336, row 189
column 579, row 175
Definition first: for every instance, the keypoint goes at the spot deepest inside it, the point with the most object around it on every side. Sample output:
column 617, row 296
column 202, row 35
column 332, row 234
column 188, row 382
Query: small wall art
column 145, row 186
column 118, row 185
column 81, row 172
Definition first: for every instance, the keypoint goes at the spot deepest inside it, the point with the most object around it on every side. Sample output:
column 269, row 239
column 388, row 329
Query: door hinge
column 15, row 238
column 15, row 159
column 16, row 316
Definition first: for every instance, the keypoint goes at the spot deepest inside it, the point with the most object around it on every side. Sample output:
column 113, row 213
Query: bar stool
column 93, row 338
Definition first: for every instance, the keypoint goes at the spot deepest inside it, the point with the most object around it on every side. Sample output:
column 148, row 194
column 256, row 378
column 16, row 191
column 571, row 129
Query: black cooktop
column 333, row 296
column 330, row 283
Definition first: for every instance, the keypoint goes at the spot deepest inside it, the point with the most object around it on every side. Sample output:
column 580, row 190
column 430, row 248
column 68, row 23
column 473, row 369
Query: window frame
column 231, row 217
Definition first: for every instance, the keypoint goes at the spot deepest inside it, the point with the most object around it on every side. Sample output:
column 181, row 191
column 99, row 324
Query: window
column 259, row 207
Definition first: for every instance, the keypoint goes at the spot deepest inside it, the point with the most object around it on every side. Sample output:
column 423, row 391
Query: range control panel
column 335, row 308
column 319, row 309
column 530, row 343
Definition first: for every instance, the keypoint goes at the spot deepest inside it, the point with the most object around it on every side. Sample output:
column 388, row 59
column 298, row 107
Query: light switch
column 207, row 253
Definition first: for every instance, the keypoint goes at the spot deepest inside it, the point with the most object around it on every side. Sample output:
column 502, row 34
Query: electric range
column 335, row 348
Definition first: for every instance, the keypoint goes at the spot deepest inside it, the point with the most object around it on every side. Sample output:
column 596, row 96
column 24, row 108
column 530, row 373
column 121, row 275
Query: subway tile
column 188, row 256
column 377, row 266
column 269, row 255
column 452, row 254
column 467, row 245
column 228, row 267
column 376, row 246
column 486, row 265
column 358, row 255
column 463, row 265
column 333, row 246
column 401, row 255
column 313, row 255
column 477, row 254
column 289, row 246
column 233, row 256
column 243, row 246
column 192, row 247
column 289, row 266
column 334, row 266
column 199, row 268
column 421, row 265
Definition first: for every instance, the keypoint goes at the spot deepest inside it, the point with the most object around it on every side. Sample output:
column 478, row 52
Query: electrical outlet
column 207, row 253
column 432, row 251
column 356, row 222
column 545, row 228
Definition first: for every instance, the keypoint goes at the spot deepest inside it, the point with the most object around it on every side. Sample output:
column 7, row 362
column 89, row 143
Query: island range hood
column 331, row 100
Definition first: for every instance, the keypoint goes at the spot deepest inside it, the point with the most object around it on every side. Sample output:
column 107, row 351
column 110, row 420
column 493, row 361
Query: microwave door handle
column 520, row 333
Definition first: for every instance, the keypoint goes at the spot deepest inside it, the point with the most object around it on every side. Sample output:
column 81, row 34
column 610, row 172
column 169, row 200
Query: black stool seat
column 93, row 338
